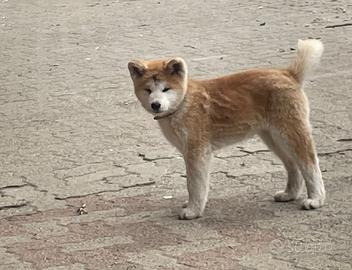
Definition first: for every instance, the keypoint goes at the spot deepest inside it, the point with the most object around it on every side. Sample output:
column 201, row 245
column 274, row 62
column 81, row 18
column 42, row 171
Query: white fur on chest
column 174, row 132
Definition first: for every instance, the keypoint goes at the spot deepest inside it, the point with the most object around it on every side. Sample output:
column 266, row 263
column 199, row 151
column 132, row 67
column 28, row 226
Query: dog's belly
column 225, row 138
column 234, row 124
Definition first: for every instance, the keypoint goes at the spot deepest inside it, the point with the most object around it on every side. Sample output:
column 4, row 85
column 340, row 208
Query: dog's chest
column 174, row 134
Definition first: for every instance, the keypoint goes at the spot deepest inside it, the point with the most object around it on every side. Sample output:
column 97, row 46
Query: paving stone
column 96, row 243
column 76, row 266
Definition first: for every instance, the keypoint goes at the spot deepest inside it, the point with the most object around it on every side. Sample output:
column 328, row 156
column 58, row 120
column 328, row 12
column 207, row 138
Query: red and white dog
column 200, row 116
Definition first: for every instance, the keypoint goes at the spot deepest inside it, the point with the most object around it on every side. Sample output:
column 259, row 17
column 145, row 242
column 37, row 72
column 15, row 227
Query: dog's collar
column 164, row 116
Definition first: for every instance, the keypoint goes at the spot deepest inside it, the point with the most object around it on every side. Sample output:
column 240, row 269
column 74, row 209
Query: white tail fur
column 308, row 56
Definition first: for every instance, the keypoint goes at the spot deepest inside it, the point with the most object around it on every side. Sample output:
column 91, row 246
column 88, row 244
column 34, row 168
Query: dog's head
column 159, row 85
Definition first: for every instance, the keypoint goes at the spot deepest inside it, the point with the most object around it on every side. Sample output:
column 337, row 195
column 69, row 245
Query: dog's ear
column 136, row 68
column 177, row 66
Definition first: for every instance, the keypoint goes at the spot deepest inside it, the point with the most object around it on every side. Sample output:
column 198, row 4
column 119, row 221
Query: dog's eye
column 166, row 89
column 148, row 91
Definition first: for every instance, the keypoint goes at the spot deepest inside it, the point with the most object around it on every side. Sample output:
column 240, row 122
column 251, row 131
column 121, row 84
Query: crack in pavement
column 273, row 163
column 14, row 205
column 345, row 140
column 154, row 159
column 255, row 151
column 241, row 179
column 338, row 25
column 105, row 191
column 294, row 263
column 34, row 212
column 335, row 152
column 85, row 195
column 139, row 185
column 14, row 186
column 246, row 153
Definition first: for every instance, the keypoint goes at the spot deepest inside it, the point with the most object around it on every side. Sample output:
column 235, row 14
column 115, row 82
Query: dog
column 200, row 116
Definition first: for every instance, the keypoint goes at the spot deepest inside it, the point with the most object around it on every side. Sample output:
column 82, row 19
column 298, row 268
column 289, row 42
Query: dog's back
column 245, row 102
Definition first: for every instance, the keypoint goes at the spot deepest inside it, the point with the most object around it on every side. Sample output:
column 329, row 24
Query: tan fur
column 210, row 114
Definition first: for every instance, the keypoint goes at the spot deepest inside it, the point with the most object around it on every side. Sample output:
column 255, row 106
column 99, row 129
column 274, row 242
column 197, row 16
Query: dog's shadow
column 228, row 216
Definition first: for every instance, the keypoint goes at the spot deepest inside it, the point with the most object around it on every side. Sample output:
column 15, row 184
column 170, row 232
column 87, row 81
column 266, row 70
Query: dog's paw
column 283, row 196
column 309, row 204
column 189, row 213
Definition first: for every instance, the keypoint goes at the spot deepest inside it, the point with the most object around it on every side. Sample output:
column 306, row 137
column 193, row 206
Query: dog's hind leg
column 294, row 179
column 295, row 137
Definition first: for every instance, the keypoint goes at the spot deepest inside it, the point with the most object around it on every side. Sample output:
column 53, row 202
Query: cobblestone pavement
column 72, row 133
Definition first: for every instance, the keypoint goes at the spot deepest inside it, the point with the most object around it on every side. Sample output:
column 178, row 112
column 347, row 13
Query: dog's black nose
column 156, row 106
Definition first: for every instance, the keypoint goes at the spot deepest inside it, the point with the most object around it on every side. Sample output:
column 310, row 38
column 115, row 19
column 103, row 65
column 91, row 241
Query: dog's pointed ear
column 136, row 68
column 177, row 66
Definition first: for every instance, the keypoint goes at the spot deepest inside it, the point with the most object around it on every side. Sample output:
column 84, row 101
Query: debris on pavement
column 82, row 210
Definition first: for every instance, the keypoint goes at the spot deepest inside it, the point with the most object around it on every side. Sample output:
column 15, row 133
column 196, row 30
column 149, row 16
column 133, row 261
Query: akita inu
column 200, row 116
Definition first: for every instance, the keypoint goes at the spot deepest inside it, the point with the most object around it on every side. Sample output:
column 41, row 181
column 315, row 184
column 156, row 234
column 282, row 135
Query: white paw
column 283, row 196
column 309, row 204
column 190, row 213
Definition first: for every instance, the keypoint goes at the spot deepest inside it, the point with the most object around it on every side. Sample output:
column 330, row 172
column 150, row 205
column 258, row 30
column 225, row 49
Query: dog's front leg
column 197, row 166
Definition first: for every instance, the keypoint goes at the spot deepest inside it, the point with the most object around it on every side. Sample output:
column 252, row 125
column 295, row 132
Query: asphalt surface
column 73, row 133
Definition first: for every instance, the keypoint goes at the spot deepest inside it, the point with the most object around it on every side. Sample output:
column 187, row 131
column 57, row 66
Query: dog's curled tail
column 308, row 56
